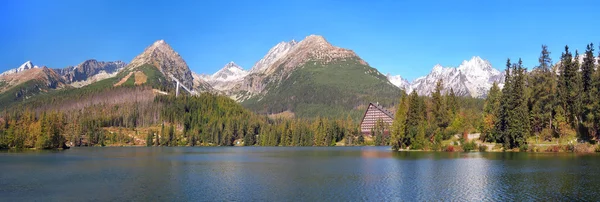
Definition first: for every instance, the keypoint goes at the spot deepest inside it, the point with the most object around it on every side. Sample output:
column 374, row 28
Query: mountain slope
column 24, row 84
column 316, row 78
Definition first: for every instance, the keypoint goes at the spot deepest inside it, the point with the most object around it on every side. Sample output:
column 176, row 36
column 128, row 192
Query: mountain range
column 308, row 78
column 473, row 78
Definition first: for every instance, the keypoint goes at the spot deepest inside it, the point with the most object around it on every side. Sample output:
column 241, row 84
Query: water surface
column 294, row 174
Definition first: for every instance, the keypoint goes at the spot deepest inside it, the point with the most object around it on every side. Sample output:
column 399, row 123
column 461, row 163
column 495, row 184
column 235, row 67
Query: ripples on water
column 295, row 174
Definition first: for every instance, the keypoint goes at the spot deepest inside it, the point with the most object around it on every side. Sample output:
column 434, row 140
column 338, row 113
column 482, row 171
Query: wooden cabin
column 373, row 113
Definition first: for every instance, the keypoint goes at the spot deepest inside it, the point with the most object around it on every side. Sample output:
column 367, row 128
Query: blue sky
column 398, row 37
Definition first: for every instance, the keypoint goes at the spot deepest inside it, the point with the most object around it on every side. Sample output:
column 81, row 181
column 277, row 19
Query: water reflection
column 291, row 174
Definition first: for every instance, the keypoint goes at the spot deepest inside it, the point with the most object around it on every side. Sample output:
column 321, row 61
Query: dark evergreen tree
column 502, row 123
column 543, row 94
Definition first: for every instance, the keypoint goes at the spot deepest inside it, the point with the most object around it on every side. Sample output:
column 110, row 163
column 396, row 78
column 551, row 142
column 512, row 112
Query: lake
column 294, row 174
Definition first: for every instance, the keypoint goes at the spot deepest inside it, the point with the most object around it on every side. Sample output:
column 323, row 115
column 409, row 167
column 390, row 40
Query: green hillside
column 334, row 89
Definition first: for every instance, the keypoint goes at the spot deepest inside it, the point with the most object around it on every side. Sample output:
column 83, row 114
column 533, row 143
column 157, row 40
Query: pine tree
column 149, row 138
column 569, row 84
column 414, row 119
column 440, row 111
column 398, row 131
column 588, row 101
column 543, row 95
column 452, row 103
column 490, row 112
column 502, row 122
column 518, row 115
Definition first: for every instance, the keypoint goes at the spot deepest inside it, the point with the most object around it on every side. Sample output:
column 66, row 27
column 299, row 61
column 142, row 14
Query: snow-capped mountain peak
column 226, row 77
column 472, row 77
column 274, row 54
column 230, row 72
column 475, row 64
column 25, row 66
column 397, row 80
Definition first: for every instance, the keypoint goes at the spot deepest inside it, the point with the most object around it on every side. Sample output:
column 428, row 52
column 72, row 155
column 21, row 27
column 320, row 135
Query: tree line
column 550, row 102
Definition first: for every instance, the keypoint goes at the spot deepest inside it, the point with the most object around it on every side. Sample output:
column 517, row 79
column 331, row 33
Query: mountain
column 472, row 78
column 27, row 82
column 313, row 78
column 90, row 71
column 167, row 61
column 25, row 66
column 227, row 77
column 399, row 81
column 274, row 54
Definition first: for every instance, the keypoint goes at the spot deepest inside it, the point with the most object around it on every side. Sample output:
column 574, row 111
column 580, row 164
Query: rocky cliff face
column 90, row 71
column 162, row 56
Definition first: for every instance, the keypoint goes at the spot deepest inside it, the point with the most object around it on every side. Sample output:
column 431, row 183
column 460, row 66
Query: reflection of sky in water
column 295, row 174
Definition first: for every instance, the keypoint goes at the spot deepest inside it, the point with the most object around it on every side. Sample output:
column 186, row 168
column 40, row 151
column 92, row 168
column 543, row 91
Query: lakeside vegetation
column 551, row 108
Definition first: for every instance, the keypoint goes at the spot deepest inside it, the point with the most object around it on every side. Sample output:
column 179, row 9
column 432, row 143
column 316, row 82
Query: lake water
column 295, row 174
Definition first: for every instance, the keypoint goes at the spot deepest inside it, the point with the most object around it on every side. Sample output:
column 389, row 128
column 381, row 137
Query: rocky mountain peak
column 313, row 48
column 473, row 78
column 90, row 71
column 475, row 64
column 162, row 56
column 25, row 66
column 226, row 77
column 274, row 54
column 229, row 72
column 232, row 65
column 437, row 68
column 316, row 41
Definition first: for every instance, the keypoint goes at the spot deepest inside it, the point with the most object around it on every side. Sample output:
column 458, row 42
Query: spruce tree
column 490, row 112
column 440, row 111
column 413, row 118
column 588, row 101
column 452, row 103
column 518, row 115
column 502, row 123
column 399, row 125
column 542, row 99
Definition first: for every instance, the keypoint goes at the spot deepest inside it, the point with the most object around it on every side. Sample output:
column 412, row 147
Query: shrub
column 554, row 148
column 436, row 147
column 523, row 147
column 469, row 146
column 598, row 148
column 569, row 148
column 482, row 148
column 497, row 146
column 584, row 148
column 450, row 148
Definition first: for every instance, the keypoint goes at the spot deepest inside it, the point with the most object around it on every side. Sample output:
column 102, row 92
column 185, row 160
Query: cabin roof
column 385, row 111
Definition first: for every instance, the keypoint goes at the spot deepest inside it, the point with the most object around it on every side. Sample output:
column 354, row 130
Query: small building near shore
column 374, row 113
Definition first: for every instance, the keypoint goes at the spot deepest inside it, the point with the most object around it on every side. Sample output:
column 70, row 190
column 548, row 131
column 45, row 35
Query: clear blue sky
column 398, row 37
